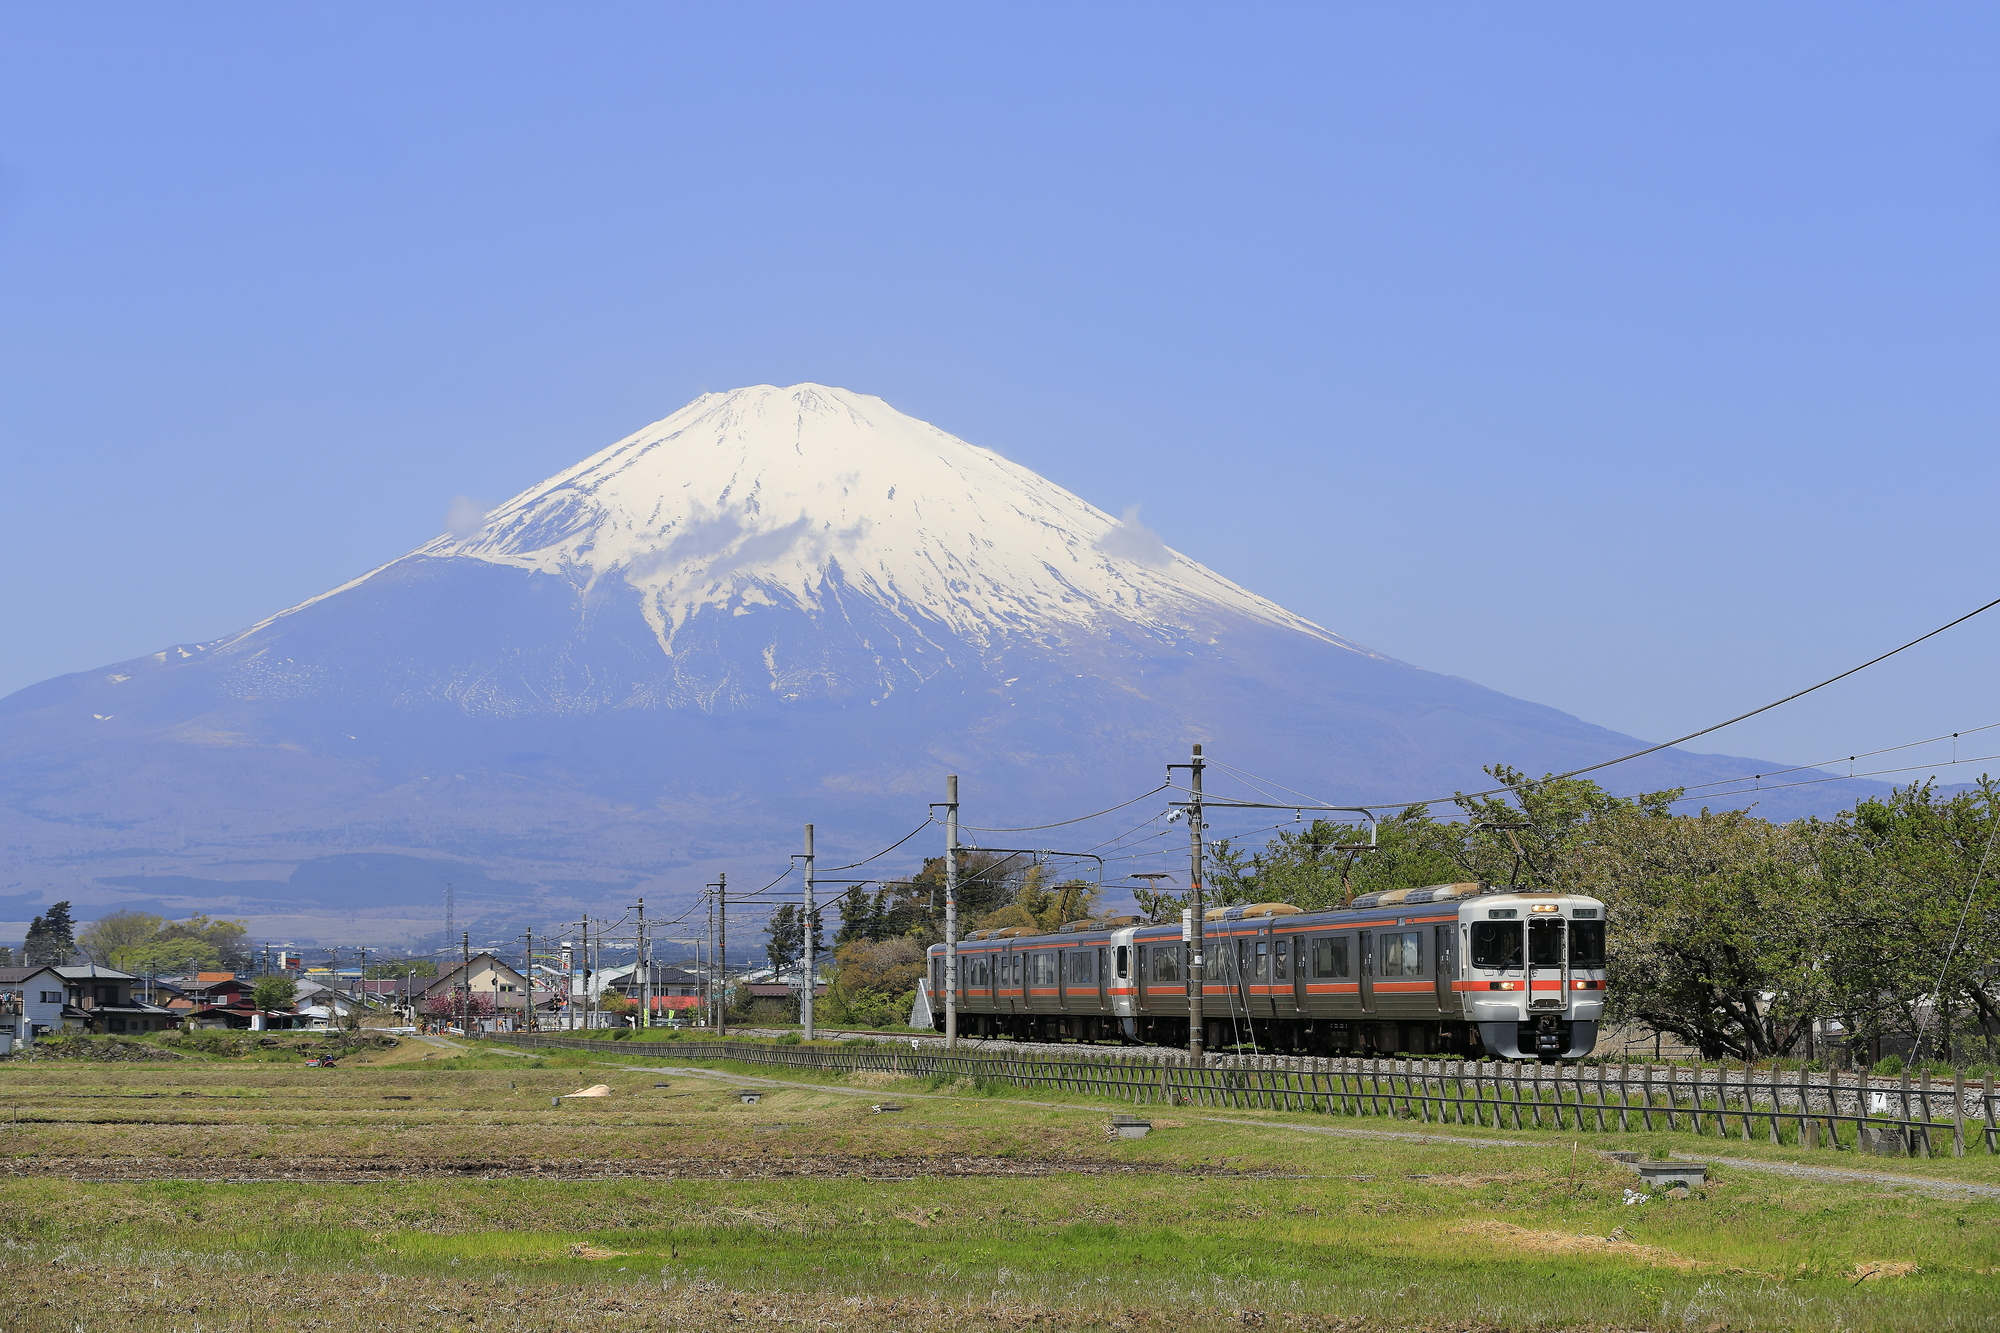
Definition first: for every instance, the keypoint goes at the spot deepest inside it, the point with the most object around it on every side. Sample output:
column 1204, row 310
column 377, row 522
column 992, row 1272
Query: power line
column 1865, row 754
column 1681, row 740
column 1813, row 782
column 890, row 848
column 1032, row 828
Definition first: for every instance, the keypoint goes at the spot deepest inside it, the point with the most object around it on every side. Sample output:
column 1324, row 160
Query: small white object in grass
column 1633, row 1196
column 594, row 1090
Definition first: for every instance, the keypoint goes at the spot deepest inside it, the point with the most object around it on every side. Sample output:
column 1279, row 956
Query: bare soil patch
column 349, row 1169
column 1564, row 1242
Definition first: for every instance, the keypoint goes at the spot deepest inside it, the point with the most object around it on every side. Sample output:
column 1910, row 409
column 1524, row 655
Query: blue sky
column 1635, row 359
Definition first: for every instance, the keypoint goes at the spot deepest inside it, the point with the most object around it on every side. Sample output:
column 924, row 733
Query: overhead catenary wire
column 1813, row 782
column 1692, row 735
column 1864, row 754
column 1061, row 823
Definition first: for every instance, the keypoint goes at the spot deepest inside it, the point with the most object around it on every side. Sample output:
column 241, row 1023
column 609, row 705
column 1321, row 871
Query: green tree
column 1912, row 914
column 51, row 940
column 1713, row 924
column 875, row 981
column 409, row 967
column 166, row 957
column 104, row 937
column 786, row 942
column 1522, row 838
column 229, row 939
column 276, row 993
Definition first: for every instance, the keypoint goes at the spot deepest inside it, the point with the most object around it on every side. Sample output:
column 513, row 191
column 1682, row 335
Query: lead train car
column 1456, row 968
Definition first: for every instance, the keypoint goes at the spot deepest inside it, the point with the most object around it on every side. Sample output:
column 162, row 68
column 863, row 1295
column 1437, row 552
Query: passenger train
column 1455, row 968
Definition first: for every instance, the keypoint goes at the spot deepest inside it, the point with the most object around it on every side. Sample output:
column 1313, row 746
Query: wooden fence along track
column 1802, row 1109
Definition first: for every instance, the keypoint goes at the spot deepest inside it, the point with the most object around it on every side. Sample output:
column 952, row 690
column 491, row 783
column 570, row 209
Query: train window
column 1329, row 957
column 1280, row 960
column 1496, row 944
column 1545, row 942
column 937, row 976
column 1166, row 962
column 1124, row 961
column 1402, row 954
column 1081, row 971
column 1586, row 944
column 1045, row 969
column 1263, row 971
column 1019, row 959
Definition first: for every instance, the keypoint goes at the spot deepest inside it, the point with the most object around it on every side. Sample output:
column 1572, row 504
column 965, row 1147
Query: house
column 101, row 1000
column 672, row 987
column 323, row 1005
column 32, row 1000
column 483, row 974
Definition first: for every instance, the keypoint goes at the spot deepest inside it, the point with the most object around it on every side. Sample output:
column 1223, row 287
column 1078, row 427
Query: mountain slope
column 775, row 606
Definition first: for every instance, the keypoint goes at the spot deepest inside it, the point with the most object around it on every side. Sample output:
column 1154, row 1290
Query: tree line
column 878, row 949
column 1731, row 932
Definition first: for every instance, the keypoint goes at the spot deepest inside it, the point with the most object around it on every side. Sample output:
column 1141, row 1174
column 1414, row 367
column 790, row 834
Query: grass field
column 410, row 1187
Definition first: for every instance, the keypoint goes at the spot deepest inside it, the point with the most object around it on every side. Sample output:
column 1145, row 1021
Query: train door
column 1103, row 978
column 1444, row 963
column 1366, row 972
column 1546, row 951
column 1298, row 963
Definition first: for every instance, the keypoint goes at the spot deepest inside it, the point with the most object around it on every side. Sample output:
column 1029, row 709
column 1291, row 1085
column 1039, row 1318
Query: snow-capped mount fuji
column 774, row 606
column 825, row 503
column 761, row 496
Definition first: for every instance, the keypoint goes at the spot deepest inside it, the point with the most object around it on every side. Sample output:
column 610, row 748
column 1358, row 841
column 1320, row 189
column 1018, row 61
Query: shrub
column 1888, row 1065
column 790, row 1039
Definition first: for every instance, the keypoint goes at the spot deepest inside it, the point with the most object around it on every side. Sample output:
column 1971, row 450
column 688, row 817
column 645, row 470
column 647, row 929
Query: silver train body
column 1449, row 969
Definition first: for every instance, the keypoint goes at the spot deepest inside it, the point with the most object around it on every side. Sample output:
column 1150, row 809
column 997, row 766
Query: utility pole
column 528, row 979
column 806, row 991
column 645, row 973
column 1191, row 920
column 721, row 955
column 951, row 911
column 464, row 986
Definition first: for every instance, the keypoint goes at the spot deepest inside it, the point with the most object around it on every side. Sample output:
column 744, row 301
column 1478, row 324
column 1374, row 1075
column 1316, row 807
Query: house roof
column 663, row 975
column 14, row 976
column 90, row 971
column 488, row 959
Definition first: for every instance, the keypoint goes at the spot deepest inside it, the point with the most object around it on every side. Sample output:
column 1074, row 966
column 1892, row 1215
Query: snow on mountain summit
column 762, row 496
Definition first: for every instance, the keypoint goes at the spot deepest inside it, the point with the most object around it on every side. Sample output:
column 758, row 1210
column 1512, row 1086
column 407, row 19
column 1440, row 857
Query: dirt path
column 1922, row 1184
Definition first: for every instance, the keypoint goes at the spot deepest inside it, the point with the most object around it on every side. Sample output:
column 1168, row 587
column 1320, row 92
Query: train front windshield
column 1497, row 944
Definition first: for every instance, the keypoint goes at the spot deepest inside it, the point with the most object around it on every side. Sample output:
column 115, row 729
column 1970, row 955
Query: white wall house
column 32, row 999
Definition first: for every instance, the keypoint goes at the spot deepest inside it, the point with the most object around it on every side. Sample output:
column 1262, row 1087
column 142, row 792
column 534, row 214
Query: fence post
column 1925, row 1102
column 1986, row 1114
column 1958, row 1113
column 1909, row 1117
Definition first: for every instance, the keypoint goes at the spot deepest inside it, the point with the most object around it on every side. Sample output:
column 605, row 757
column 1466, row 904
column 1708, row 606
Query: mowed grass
column 128, row 1204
